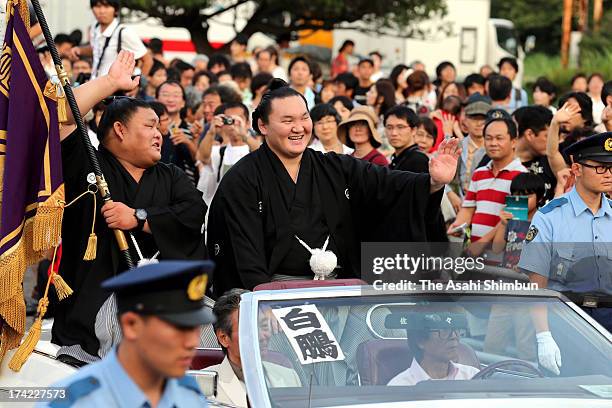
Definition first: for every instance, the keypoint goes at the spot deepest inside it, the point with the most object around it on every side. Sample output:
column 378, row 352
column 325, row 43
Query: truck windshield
column 506, row 38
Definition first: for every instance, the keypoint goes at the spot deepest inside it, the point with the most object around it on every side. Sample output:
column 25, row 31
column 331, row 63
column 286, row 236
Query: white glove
column 549, row 354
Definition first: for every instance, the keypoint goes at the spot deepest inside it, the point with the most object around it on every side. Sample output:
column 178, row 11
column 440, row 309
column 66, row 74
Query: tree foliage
column 541, row 18
column 277, row 17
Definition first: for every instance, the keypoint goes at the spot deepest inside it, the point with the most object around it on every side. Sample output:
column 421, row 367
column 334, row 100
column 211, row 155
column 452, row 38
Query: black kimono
column 412, row 159
column 258, row 210
column 175, row 213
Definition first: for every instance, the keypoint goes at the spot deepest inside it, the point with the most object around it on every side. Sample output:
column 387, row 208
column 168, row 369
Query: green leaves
column 282, row 16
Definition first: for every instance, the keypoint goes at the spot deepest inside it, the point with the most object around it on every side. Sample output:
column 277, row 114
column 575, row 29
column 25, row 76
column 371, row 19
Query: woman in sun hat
column 359, row 132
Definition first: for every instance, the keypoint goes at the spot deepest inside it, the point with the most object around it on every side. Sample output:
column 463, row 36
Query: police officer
column 161, row 312
column 568, row 246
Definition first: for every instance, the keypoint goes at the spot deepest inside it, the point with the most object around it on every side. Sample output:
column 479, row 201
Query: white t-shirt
column 279, row 72
column 318, row 146
column 129, row 42
column 209, row 175
column 598, row 108
column 415, row 374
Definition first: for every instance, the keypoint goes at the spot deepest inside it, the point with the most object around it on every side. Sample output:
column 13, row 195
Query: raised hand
column 567, row 112
column 443, row 164
column 120, row 73
column 448, row 124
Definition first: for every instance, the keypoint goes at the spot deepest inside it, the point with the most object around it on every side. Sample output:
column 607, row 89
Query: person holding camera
column 231, row 121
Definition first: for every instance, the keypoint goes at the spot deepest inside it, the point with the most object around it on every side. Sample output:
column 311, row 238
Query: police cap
column 597, row 148
column 171, row 290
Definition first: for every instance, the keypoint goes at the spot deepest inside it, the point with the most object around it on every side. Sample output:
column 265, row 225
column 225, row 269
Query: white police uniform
column 174, row 292
column 106, row 384
column 570, row 245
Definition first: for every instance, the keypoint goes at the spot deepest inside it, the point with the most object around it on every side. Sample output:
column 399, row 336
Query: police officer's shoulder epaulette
column 188, row 381
column 557, row 202
column 76, row 390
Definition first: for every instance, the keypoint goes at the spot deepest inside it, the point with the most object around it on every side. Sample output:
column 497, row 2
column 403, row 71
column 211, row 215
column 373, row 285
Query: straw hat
column 359, row 113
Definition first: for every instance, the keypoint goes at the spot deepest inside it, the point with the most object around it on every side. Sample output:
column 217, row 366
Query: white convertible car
column 340, row 346
column 345, row 344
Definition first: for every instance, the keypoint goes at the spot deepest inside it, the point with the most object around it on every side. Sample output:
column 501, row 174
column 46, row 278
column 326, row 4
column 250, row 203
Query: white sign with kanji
column 309, row 334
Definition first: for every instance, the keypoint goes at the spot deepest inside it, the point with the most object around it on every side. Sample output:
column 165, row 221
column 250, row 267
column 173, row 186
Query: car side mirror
column 207, row 380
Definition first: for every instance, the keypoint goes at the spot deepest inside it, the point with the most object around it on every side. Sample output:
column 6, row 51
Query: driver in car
column 434, row 340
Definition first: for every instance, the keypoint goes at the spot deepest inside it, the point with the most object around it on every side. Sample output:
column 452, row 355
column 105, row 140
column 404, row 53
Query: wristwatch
column 141, row 218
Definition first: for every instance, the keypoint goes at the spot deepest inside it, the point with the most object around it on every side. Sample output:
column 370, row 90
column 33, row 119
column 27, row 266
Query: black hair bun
column 276, row 83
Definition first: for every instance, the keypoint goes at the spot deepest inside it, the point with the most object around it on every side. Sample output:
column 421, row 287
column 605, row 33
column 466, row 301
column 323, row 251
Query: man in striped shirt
column 490, row 184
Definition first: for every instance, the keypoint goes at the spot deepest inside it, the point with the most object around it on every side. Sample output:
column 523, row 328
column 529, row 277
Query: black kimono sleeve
column 389, row 205
column 177, row 227
column 236, row 234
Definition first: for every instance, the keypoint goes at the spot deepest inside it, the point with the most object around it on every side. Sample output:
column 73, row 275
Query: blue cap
column 171, row 290
column 597, row 148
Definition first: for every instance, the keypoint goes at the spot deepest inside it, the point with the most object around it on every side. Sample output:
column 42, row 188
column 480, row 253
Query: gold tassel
column 62, row 114
column 27, row 347
column 61, row 287
column 92, row 242
column 90, row 252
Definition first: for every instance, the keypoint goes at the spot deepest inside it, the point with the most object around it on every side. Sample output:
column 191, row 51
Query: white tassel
column 322, row 262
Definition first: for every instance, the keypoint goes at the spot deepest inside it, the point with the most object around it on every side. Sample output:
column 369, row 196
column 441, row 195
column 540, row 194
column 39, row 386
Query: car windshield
column 507, row 39
column 360, row 349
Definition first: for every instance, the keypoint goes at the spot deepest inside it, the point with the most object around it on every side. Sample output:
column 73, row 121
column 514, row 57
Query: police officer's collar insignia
column 608, row 144
column 197, row 287
column 531, row 234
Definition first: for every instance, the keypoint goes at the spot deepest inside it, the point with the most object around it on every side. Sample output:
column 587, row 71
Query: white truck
column 474, row 40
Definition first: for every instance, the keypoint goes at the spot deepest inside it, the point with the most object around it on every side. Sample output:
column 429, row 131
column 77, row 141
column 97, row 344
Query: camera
column 228, row 121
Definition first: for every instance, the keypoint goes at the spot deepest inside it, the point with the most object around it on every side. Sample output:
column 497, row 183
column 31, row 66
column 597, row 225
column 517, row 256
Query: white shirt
column 415, row 374
column 318, row 146
column 376, row 76
column 129, row 42
column 279, row 72
column 209, row 175
column 598, row 107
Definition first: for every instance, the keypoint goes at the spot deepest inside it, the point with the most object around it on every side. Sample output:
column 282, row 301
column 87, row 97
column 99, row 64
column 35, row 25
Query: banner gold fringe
column 48, row 221
column 12, row 267
column 13, row 310
column 27, row 347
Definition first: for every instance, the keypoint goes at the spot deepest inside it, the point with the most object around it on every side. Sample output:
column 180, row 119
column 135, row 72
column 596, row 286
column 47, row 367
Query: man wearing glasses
column 569, row 243
column 434, row 342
